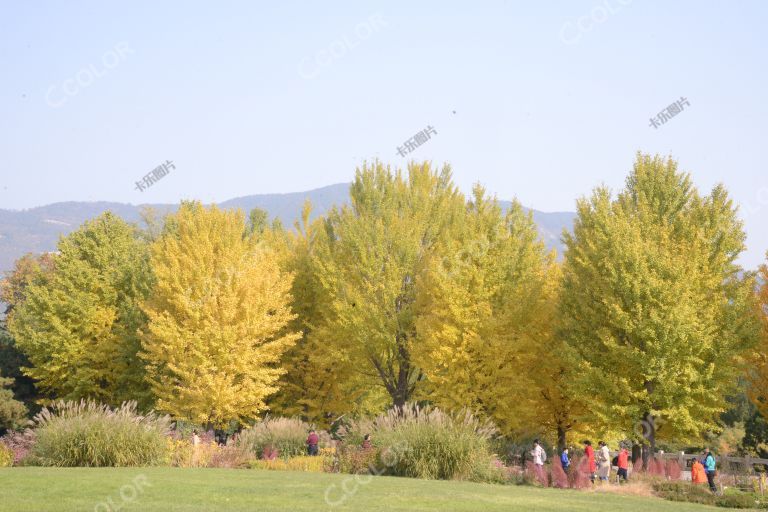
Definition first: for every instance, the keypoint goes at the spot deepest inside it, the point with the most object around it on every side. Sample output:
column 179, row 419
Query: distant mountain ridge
column 38, row 229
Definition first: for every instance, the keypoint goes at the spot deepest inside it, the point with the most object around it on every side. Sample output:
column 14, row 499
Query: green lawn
column 172, row 489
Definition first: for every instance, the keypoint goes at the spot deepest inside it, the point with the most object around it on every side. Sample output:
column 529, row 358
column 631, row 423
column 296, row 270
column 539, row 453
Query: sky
column 539, row 101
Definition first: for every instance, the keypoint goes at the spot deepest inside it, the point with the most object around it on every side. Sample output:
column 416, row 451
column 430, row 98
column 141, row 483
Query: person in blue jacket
column 709, row 469
column 564, row 460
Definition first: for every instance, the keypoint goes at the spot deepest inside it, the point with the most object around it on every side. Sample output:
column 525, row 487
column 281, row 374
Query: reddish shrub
column 559, row 478
column 656, row 467
column 637, row 467
column 673, row 470
column 580, row 474
column 19, row 443
column 536, row 473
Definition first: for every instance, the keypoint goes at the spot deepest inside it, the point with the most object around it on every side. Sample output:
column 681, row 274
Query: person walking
column 312, row 441
column 623, row 464
column 366, row 445
column 538, row 453
column 604, row 462
column 539, row 457
column 589, row 452
column 565, row 461
column 710, row 469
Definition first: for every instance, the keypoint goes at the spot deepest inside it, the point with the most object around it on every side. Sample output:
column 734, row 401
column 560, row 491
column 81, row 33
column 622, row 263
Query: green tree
column 258, row 220
column 12, row 359
column 78, row 322
column 13, row 414
column 653, row 306
column 377, row 252
column 320, row 384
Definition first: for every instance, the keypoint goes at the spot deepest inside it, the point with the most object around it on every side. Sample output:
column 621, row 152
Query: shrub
column 20, row 443
column 301, row 463
column 6, row 456
column 286, row 436
column 231, row 456
column 736, row 501
column 13, row 414
column 353, row 459
column 428, row 443
column 684, row 491
column 89, row 434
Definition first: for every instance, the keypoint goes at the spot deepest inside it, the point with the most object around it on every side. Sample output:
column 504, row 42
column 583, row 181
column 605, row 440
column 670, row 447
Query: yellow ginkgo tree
column 654, row 306
column 217, row 318
column 758, row 372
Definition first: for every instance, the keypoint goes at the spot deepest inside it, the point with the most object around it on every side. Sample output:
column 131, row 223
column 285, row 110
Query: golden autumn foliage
column 486, row 312
column 653, row 306
column 758, row 373
column 369, row 270
column 217, row 317
column 410, row 292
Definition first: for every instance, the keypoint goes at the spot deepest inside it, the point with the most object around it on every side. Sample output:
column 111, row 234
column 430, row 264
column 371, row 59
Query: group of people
column 704, row 470
column 599, row 464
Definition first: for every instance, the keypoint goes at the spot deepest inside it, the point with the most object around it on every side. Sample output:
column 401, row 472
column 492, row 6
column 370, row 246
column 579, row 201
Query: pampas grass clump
column 89, row 434
column 426, row 442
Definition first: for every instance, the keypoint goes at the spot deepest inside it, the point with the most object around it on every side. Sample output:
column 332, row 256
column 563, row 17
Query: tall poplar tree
column 653, row 304
column 217, row 318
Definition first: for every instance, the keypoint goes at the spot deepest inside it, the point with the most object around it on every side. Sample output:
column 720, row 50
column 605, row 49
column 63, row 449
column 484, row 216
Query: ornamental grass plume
column 426, row 442
column 90, row 434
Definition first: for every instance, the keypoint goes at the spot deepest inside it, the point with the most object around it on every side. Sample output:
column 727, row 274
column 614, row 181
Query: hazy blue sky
column 550, row 98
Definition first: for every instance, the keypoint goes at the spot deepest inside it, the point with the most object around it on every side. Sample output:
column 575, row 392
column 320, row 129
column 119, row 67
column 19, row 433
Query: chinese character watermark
column 154, row 176
column 669, row 112
column 417, row 140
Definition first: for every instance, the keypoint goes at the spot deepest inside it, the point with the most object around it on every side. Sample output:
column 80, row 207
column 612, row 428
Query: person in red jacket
column 590, row 453
column 312, row 441
column 623, row 463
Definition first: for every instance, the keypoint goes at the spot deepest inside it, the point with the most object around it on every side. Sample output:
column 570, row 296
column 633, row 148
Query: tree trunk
column 561, row 432
column 649, row 433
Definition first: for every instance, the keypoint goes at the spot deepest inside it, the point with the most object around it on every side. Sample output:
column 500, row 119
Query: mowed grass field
column 173, row 489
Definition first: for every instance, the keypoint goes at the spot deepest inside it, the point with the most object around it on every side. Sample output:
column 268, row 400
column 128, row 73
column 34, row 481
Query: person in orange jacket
column 698, row 476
